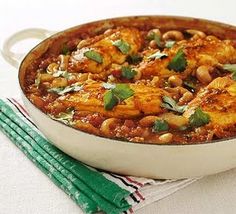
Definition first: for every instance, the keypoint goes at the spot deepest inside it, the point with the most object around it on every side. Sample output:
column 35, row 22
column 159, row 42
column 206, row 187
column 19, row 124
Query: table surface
column 23, row 188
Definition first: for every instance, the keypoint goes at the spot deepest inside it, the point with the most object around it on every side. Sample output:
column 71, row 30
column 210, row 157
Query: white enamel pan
column 137, row 159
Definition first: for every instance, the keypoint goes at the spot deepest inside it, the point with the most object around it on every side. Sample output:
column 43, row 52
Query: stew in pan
column 139, row 85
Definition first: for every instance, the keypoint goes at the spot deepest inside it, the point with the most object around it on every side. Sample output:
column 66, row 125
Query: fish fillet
column 109, row 52
column 218, row 99
column 146, row 100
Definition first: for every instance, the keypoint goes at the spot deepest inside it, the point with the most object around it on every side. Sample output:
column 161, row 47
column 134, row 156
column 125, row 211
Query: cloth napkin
column 92, row 189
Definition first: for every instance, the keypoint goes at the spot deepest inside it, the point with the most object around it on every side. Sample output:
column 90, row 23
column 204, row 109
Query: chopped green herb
column 234, row 76
column 231, row 68
column 63, row 90
column 65, row 117
column 167, row 84
column 64, row 74
column 134, row 59
column 178, row 63
column 65, row 50
column 110, row 100
column 56, row 90
column 59, row 91
column 183, row 128
column 199, row 118
column 116, row 95
column 160, row 125
column 169, row 44
column 151, row 35
column 157, row 55
column 37, row 80
column 170, row 103
column 156, row 38
column 93, row 55
column 123, row 91
column 190, row 83
column 127, row 72
column 123, row 46
column 107, row 85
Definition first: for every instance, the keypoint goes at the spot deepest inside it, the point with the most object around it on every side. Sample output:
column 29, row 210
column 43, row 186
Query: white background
column 23, row 188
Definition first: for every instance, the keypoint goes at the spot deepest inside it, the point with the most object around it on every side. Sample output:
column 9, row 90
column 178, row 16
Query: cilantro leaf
column 155, row 37
column 190, row 86
column 65, row 49
column 115, row 95
column 234, row 76
column 199, row 118
column 107, row 85
column 134, row 59
column 127, row 72
column 63, row 90
column 123, row 46
column 190, row 83
column 110, row 100
column 157, row 55
column 93, row 55
column 151, row 35
column 65, row 117
column 178, row 63
column 56, row 90
column 160, row 125
column 231, row 68
column 37, row 80
column 64, row 74
column 170, row 103
column 123, row 91
column 169, row 44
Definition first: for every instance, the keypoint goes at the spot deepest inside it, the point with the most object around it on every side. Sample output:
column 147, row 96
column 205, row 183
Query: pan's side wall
column 146, row 160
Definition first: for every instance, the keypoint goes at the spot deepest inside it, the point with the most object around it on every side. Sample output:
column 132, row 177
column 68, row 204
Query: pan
column 137, row 159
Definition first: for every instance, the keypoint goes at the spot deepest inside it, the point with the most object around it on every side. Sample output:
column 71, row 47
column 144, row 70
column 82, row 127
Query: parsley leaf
column 123, row 46
column 169, row 44
column 231, row 68
column 65, row 49
column 127, row 72
column 178, row 63
column 110, row 100
column 190, row 83
column 107, row 85
column 93, row 55
column 123, row 91
column 160, row 125
column 171, row 104
column 157, row 55
column 134, row 59
column 63, row 90
column 199, row 118
column 115, row 95
column 156, row 38
column 65, row 117
column 37, row 80
column 64, row 74
column 234, row 76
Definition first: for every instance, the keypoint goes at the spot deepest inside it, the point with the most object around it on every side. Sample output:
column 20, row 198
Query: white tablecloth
column 23, row 188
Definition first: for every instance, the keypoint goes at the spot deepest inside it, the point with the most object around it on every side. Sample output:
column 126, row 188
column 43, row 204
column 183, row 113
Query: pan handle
column 15, row 58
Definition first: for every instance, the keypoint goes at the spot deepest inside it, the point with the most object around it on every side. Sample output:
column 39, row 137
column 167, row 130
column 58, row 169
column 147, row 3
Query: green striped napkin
column 91, row 189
